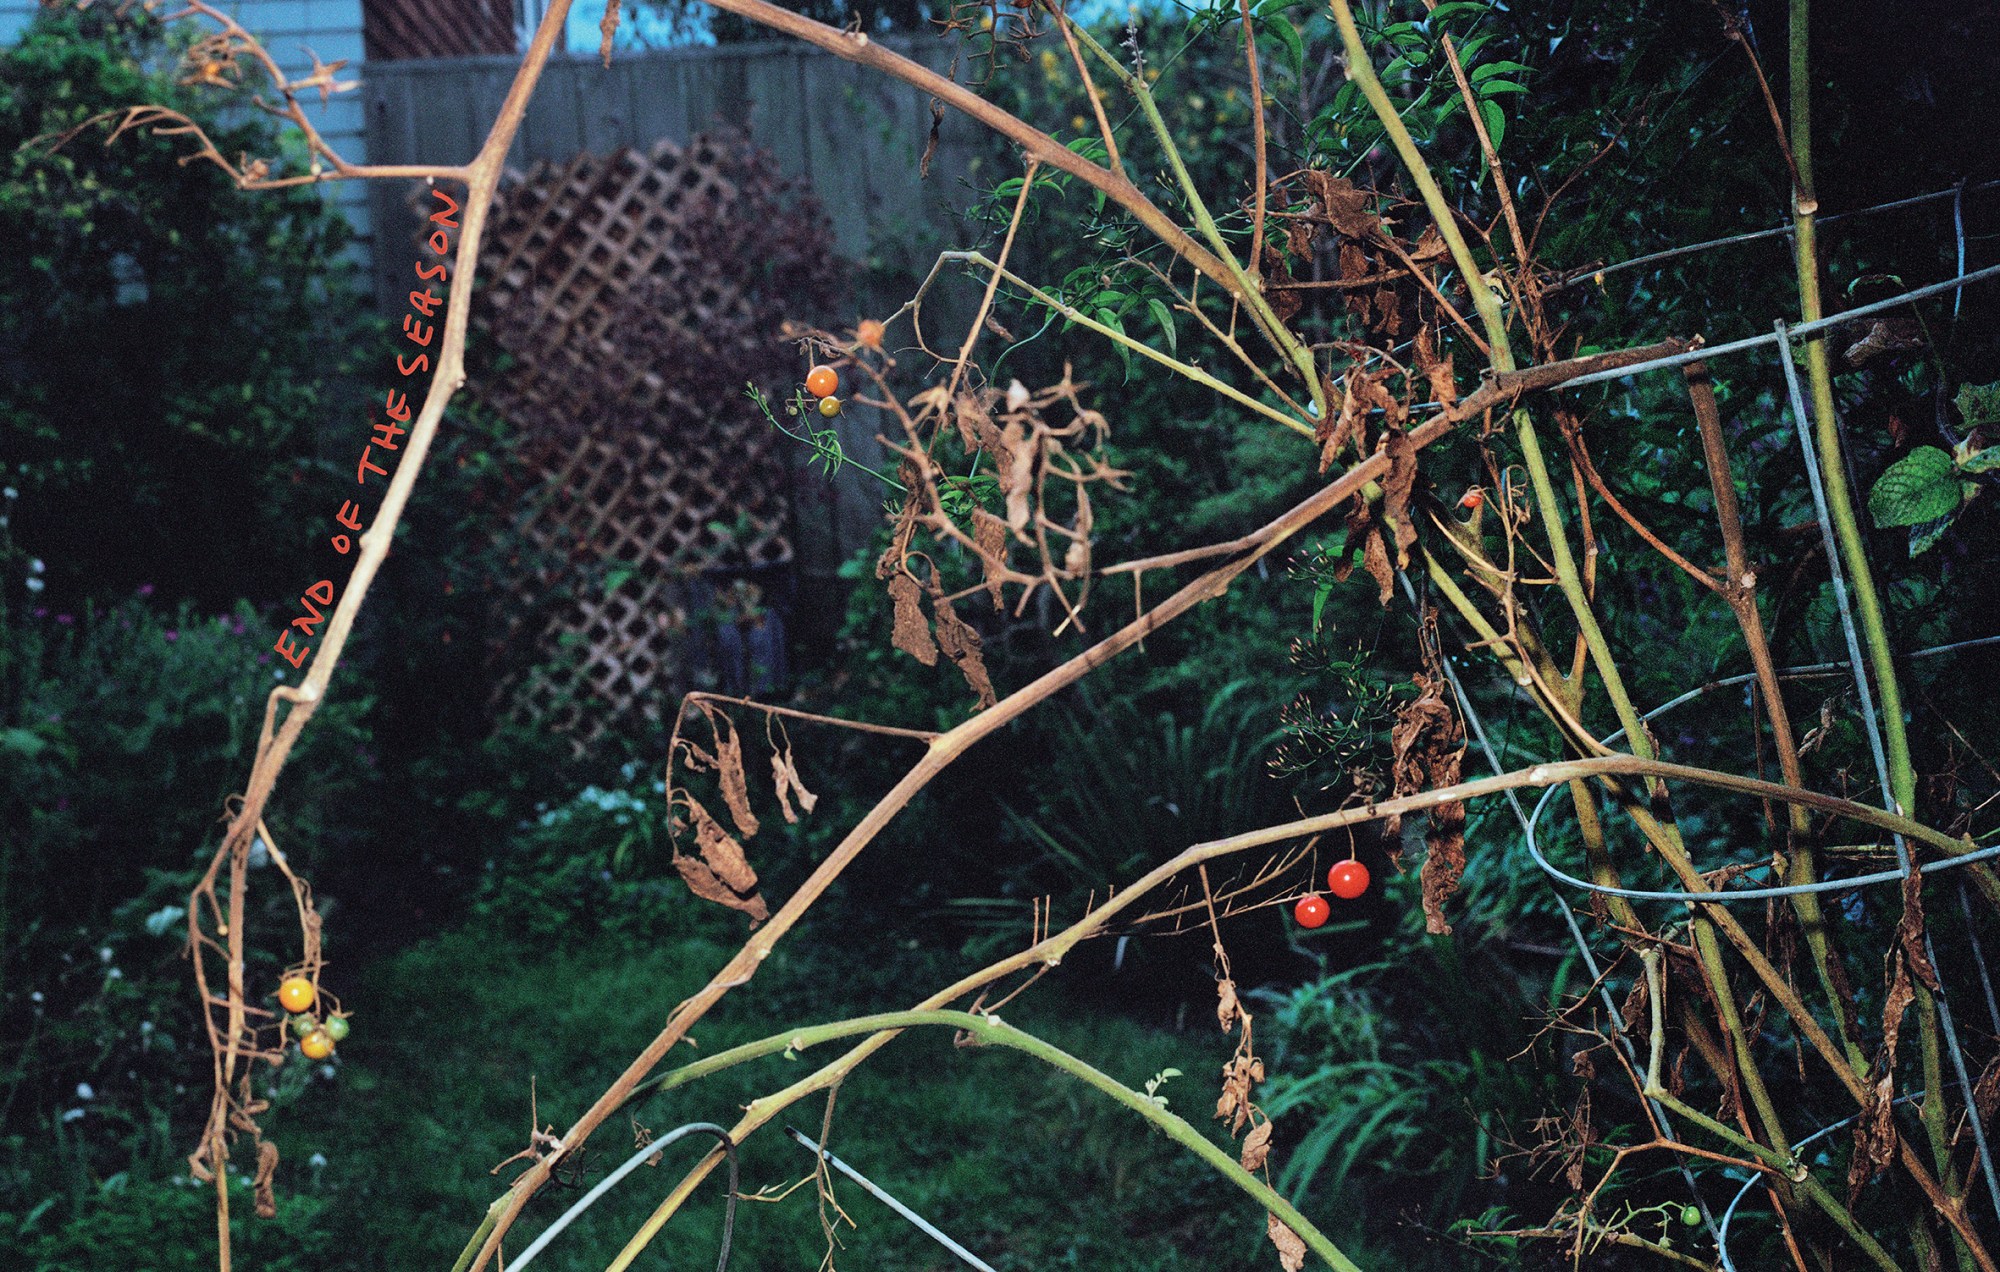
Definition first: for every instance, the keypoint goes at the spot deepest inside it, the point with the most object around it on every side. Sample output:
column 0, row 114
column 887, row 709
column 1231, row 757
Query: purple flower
column 263, row 658
column 65, row 618
column 145, row 589
column 173, row 635
column 236, row 627
column 55, row 717
column 62, row 803
column 41, row 611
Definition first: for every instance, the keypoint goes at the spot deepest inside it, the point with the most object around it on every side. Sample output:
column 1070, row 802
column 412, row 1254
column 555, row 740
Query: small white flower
column 317, row 1161
column 104, row 954
column 84, row 1091
column 35, row 997
column 70, row 1115
column 260, row 853
column 34, row 585
column 327, row 1071
column 145, row 1026
column 37, row 566
column 277, row 675
column 11, row 493
column 114, row 974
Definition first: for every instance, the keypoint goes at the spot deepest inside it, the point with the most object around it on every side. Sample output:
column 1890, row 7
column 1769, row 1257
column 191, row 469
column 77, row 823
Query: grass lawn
column 1021, row 1164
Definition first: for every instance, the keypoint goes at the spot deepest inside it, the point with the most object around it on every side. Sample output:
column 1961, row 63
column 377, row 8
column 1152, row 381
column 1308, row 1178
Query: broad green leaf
column 1496, row 121
column 1494, row 88
column 1983, row 461
column 1165, row 317
column 1978, row 403
column 1496, row 68
column 1921, row 486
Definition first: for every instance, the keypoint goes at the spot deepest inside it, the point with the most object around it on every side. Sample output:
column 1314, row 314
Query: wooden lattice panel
column 597, row 285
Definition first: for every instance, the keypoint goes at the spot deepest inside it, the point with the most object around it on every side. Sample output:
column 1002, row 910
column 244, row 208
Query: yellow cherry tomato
column 829, row 406
column 317, row 1045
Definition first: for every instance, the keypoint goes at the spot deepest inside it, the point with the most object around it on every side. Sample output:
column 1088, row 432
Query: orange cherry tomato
column 822, row 382
column 1472, row 499
column 317, row 1045
column 296, row 994
column 869, row 333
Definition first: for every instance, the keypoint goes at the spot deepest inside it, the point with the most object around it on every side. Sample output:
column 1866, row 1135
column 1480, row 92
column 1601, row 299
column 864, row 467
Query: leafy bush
column 169, row 345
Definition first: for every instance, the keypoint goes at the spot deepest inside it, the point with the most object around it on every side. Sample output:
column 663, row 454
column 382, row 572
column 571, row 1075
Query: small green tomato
column 302, row 1024
column 336, row 1028
column 1690, row 1215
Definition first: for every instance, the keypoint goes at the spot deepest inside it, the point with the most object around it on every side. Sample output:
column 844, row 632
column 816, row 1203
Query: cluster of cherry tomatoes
column 1347, row 880
column 317, row 1037
column 823, row 382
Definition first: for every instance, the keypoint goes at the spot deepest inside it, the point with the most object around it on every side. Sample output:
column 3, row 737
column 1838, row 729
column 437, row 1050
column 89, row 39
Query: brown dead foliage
column 1291, row 1247
column 722, row 873
column 1428, row 745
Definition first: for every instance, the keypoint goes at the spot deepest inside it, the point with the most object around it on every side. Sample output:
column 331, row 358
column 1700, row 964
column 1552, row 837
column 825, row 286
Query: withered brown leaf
column 267, row 1170
column 1256, row 1147
column 912, row 634
column 721, row 851
column 702, row 882
column 990, row 533
column 1291, row 1247
column 729, row 772
column 785, row 778
column 1228, row 1007
column 960, row 642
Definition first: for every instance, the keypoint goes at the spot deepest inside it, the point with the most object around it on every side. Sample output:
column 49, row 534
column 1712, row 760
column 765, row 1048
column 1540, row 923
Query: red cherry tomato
column 1311, row 911
column 1472, row 499
column 822, row 382
column 1347, row 880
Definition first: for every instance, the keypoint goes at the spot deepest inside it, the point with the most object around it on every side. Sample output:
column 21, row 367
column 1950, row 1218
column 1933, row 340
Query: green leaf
column 1921, row 486
column 1983, row 461
column 1924, row 536
column 1978, row 404
column 1496, row 121
column 1295, row 48
column 21, row 742
column 1494, row 88
column 1165, row 317
column 1496, row 68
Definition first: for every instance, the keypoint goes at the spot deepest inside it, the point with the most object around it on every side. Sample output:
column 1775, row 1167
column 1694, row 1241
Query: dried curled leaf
column 721, row 851
column 1256, row 1148
column 990, row 533
column 703, row 883
column 1243, row 1072
column 729, row 772
column 960, row 642
column 912, row 634
column 1227, row 1008
column 1291, row 1247
column 267, row 1170
column 785, row 777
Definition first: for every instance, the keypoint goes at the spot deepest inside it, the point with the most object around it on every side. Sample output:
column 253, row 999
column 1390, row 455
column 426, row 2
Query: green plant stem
column 1183, row 369
column 1847, row 532
column 991, row 1029
column 1779, row 1159
column 1247, row 286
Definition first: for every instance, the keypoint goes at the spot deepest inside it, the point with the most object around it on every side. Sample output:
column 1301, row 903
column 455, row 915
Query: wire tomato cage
column 1781, row 338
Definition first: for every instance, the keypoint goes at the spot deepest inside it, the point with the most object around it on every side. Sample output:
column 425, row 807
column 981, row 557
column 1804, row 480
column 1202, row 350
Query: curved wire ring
column 1732, row 896
column 631, row 1164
